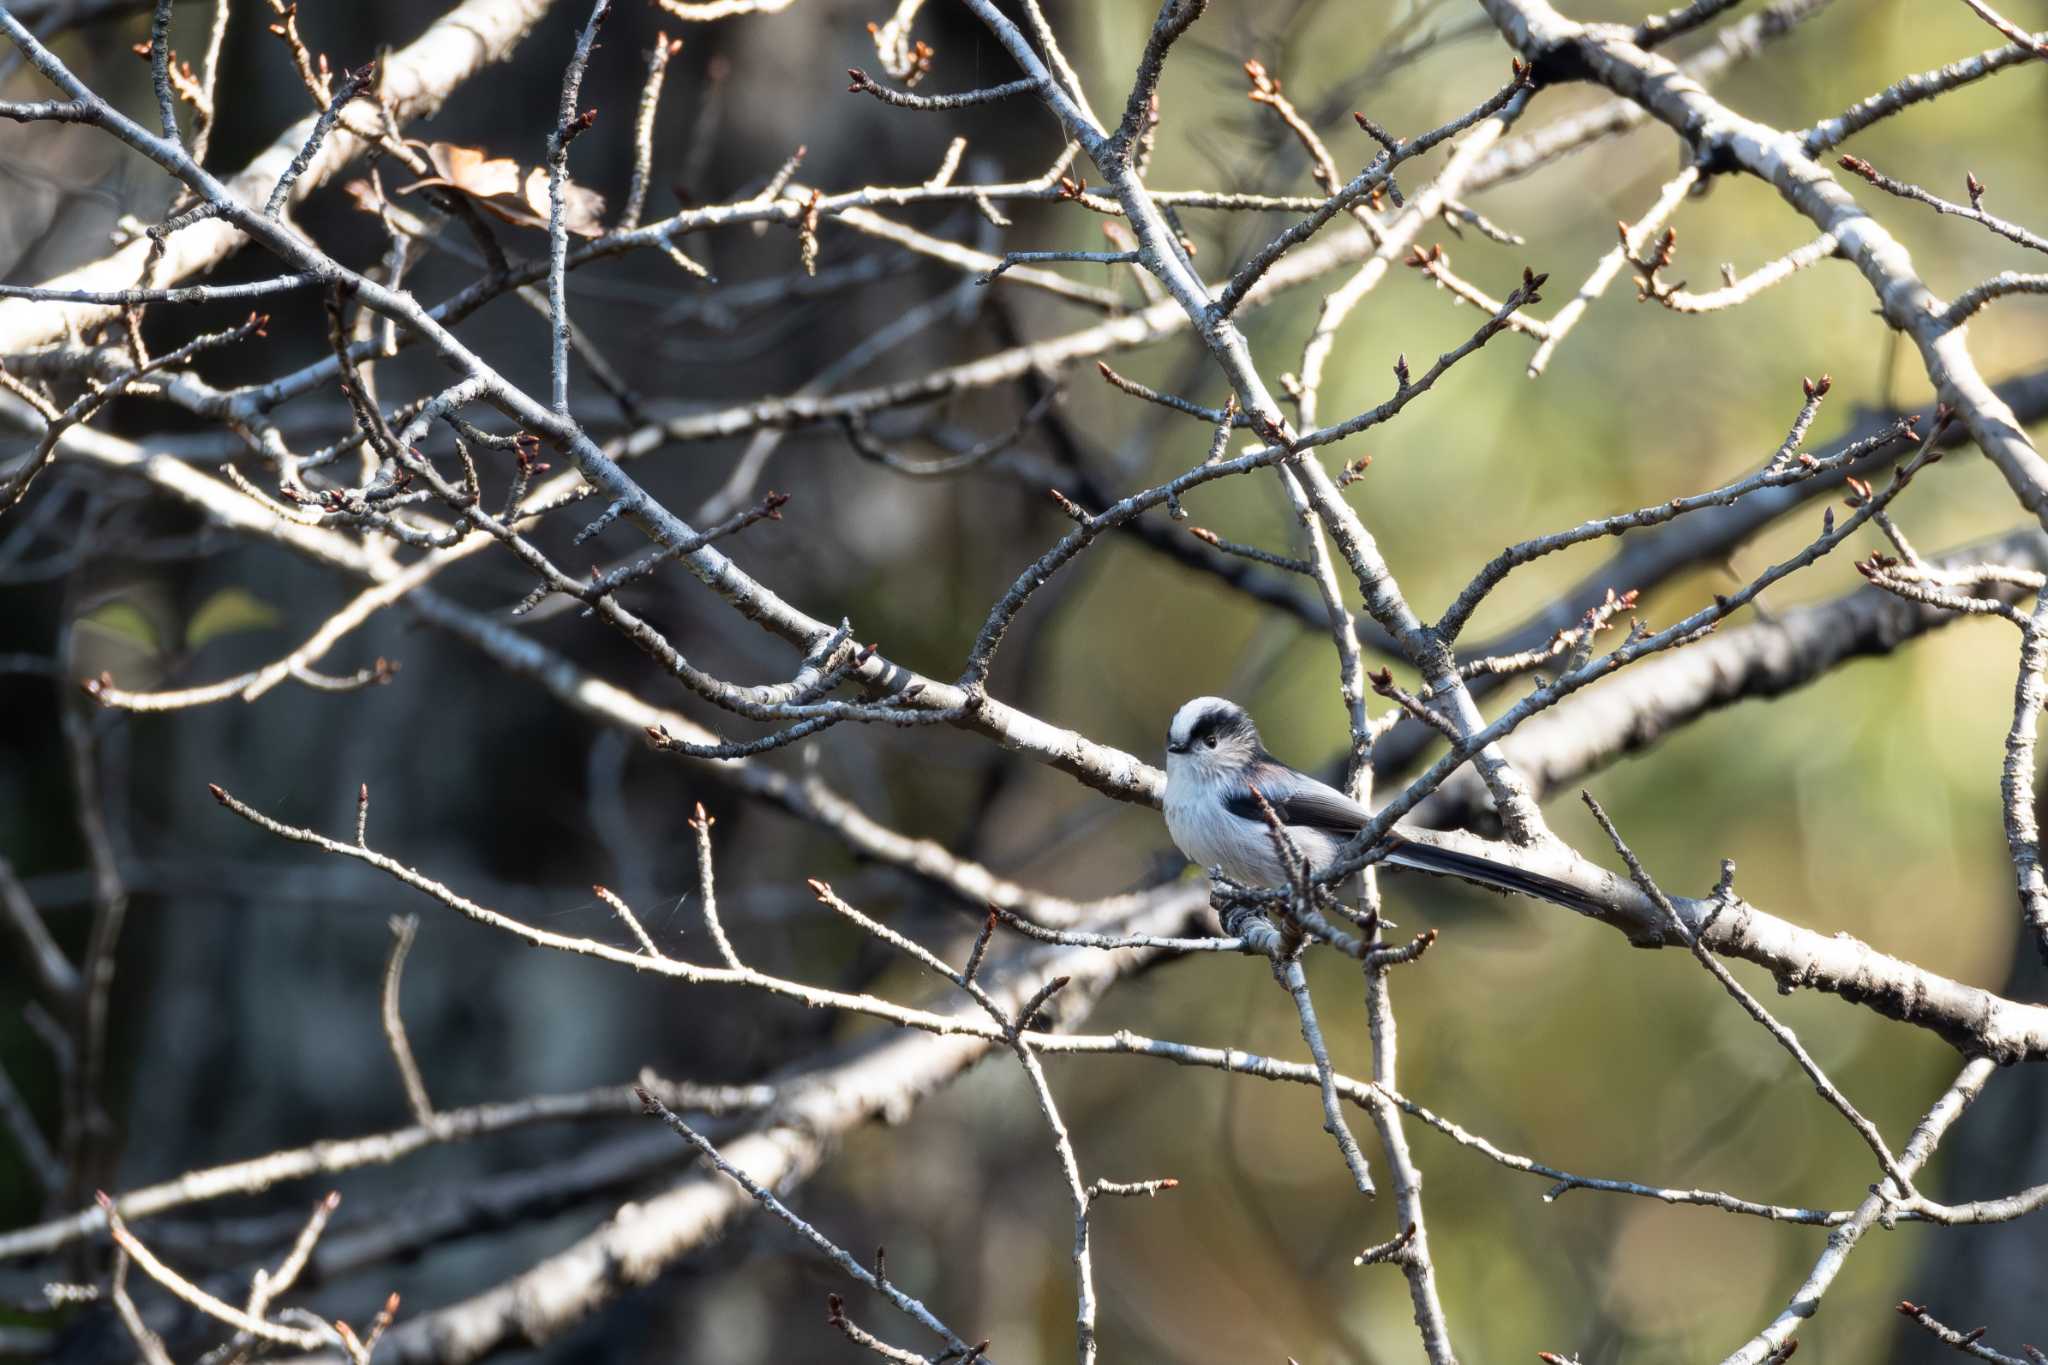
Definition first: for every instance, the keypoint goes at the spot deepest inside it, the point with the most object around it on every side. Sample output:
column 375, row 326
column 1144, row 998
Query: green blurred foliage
column 1865, row 804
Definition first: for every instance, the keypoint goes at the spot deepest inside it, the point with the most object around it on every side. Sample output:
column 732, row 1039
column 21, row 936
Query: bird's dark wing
column 1298, row 800
column 1303, row 802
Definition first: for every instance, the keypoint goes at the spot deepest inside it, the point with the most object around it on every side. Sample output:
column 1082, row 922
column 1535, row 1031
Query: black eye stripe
column 1211, row 727
column 1215, row 725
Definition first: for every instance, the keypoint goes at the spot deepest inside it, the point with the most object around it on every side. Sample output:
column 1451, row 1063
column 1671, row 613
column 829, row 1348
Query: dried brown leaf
column 502, row 188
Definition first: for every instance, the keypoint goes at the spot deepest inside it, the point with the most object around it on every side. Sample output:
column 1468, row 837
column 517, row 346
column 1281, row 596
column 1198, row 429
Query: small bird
column 1214, row 764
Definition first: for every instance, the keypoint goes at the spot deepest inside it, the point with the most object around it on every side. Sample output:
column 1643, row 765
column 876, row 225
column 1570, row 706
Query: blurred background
column 245, row 1006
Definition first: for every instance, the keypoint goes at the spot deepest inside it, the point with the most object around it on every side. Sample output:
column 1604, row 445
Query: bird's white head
column 1210, row 736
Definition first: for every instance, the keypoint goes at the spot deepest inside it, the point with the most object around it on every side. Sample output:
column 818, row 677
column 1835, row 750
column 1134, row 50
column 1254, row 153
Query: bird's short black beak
column 1176, row 748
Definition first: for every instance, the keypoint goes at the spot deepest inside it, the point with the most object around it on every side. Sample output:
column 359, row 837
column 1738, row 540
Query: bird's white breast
column 1213, row 837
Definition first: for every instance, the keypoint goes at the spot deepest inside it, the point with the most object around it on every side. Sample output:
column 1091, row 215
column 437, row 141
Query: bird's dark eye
column 1210, row 741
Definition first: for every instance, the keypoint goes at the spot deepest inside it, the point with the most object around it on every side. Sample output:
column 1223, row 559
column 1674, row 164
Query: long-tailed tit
column 1214, row 764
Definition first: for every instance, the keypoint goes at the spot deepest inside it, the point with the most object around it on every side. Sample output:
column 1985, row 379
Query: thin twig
column 767, row 1200
column 209, row 1304
column 568, row 122
column 707, row 889
column 1785, row 1038
column 403, row 927
column 2012, row 232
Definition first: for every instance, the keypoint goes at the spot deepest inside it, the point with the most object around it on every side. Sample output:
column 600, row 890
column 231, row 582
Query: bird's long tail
column 1485, row 871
